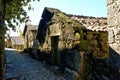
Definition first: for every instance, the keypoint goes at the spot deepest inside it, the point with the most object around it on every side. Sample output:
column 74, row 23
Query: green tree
column 11, row 11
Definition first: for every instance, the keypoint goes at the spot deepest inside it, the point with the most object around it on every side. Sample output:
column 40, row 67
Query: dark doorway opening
column 54, row 50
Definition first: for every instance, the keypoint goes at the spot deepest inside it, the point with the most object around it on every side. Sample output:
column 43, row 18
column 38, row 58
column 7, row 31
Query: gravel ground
column 22, row 67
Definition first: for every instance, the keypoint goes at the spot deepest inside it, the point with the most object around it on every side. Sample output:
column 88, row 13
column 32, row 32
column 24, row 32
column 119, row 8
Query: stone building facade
column 29, row 33
column 114, row 24
column 15, row 42
column 56, row 32
column 114, row 37
column 67, row 43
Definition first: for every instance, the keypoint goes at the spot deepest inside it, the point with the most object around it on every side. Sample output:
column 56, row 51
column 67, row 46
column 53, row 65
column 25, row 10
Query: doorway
column 54, row 50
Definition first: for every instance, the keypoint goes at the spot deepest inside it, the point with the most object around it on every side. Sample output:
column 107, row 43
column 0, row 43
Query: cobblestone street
column 22, row 67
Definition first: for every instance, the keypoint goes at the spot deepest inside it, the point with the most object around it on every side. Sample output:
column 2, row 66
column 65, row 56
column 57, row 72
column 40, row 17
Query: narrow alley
column 22, row 67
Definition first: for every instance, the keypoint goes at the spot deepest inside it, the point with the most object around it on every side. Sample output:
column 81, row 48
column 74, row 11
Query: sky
column 95, row 8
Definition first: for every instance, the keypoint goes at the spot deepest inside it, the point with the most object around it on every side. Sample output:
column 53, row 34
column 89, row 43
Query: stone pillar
column 114, row 24
column 114, row 37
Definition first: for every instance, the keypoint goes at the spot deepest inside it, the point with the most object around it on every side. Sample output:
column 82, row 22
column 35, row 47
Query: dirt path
column 22, row 67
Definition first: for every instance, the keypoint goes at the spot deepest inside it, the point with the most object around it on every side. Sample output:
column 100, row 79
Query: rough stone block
column 117, row 31
column 118, row 48
column 69, row 74
column 117, row 35
column 70, row 58
column 115, row 47
column 111, row 36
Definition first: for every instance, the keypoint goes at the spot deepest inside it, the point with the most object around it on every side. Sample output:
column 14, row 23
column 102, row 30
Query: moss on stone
column 76, row 43
column 84, row 45
column 102, row 36
column 103, row 46
column 79, row 31
column 96, row 41
column 89, row 36
column 77, row 35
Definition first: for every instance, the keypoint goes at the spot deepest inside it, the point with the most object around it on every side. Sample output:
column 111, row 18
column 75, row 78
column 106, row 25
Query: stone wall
column 114, row 24
column 114, row 37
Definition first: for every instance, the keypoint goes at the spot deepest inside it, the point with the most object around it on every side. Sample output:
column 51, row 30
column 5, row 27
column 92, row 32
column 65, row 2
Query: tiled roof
column 16, row 40
column 91, row 23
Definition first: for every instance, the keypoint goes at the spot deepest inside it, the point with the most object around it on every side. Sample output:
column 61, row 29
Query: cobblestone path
column 22, row 67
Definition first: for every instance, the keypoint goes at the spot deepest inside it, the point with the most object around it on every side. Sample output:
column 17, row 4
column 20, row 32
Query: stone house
column 29, row 33
column 64, row 40
column 15, row 42
column 57, row 32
